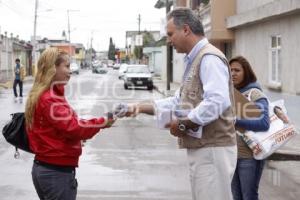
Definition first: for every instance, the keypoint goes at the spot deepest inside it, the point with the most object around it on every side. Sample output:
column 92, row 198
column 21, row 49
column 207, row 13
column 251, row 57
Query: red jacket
column 56, row 133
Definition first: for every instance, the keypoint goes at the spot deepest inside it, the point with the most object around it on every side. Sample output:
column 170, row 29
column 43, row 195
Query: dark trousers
column 246, row 179
column 53, row 184
column 20, row 83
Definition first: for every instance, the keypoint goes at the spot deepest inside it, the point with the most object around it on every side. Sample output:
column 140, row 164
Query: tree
column 148, row 39
column 138, row 52
column 111, row 50
column 205, row 2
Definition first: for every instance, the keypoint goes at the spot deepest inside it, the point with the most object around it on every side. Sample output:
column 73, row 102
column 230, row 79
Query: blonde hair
column 46, row 70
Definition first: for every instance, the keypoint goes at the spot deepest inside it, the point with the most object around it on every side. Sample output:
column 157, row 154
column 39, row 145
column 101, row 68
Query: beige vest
column 243, row 150
column 220, row 132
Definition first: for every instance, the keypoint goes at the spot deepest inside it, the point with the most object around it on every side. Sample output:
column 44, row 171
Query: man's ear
column 186, row 29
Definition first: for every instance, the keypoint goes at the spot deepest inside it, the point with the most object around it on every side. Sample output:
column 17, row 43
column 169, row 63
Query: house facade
column 267, row 34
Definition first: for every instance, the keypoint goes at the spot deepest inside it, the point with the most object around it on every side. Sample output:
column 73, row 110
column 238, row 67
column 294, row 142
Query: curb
column 284, row 156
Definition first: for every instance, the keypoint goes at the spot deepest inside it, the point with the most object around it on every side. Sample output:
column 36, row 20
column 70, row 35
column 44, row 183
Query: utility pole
column 169, row 50
column 69, row 29
column 139, row 35
column 91, row 49
column 167, row 4
column 33, row 62
column 6, row 51
column 139, row 21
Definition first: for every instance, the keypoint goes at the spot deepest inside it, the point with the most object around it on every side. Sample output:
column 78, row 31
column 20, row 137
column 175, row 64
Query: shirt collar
column 190, row 57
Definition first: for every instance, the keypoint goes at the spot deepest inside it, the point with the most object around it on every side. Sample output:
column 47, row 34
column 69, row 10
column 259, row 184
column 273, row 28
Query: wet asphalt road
column 131, row 161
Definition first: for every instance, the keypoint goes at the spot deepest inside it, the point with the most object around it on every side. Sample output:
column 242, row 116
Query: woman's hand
column 109, row 120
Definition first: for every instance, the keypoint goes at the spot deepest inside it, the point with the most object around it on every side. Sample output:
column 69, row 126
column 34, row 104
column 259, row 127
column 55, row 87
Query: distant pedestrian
column 55, row 132
column 19, row 71
column 248, row 171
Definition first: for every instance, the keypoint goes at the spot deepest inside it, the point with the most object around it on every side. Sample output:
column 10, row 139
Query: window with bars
column 275, row 61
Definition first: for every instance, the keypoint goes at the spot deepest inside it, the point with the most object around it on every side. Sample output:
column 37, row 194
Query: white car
column 122, row 69
column 74, row 68
column 138, row 75
column 116, row 66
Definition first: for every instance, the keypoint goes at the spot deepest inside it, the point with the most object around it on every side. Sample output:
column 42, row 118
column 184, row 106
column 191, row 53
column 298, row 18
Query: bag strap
column 254, row 94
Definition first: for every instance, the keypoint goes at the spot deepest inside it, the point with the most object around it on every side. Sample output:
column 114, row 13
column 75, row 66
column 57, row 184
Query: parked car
column 138, row 75
column 116, row 66
column 122, row 69
column 99, row 69
column 110, row 63
column 74, row 68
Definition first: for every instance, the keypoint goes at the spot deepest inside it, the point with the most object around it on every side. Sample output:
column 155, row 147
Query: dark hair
column 185, row 16
column 17, row 60
column 249, row 75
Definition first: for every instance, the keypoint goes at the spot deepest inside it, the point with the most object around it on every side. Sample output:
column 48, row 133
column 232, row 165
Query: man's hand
column 126, row 110
column 174, row 130
column 174, row 127
column 133, row 110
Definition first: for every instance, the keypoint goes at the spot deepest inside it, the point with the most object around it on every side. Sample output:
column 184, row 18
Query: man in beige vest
column 203, row 106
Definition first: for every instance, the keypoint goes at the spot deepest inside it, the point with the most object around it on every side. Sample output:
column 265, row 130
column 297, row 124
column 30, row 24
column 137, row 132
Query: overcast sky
column 97, row 19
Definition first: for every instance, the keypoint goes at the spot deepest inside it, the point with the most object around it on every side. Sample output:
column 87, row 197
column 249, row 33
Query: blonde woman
column 55, row 132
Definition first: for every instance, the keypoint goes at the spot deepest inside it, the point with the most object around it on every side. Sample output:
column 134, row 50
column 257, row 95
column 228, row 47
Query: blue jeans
column 246, row 179
column 20, row 83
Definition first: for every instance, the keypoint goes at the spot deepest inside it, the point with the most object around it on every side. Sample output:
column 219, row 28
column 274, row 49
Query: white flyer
column 165, row 116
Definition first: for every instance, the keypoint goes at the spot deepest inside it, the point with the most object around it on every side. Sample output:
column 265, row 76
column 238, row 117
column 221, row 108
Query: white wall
column 158, row 60
column 178, row 66
column 245, row 5
column 157, row 57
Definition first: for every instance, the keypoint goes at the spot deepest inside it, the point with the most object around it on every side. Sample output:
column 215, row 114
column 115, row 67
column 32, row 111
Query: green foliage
column 161, row 42
column 138, row 52
column 111, row 50
column 148, row 39
column 205, row 1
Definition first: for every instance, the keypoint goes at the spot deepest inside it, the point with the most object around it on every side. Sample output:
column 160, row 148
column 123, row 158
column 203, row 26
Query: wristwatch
column 181, row 127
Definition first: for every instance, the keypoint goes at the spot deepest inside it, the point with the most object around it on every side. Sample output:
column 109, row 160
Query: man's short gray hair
column 182, row 16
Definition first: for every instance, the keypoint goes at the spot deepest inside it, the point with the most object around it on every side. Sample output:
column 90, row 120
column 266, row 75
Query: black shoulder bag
column 15, row 133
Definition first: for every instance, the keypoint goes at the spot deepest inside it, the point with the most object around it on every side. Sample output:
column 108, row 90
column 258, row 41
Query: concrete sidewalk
column 292, row 103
